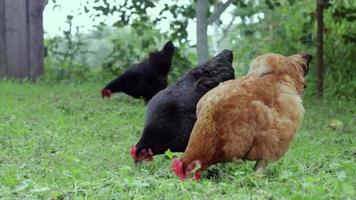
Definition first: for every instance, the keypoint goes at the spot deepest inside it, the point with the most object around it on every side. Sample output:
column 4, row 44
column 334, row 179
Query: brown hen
column 252, row 118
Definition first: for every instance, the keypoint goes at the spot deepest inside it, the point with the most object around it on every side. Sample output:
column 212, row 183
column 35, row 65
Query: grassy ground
column 65, row 142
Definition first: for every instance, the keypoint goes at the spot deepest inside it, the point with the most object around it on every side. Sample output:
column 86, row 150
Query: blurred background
column 97, row 40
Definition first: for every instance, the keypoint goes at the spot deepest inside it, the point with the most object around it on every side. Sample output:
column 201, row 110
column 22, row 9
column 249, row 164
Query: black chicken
column 144, row 79
column 171, row 112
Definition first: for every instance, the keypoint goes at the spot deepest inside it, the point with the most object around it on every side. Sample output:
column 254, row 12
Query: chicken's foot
column 260, row 166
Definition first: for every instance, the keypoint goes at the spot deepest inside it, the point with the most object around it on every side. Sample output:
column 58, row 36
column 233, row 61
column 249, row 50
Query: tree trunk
column 320, row 53
column 202, row 28
column 44, row 4
column 202, row 25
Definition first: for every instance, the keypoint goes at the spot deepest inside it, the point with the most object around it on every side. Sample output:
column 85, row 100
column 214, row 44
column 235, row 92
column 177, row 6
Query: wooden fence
column 21, row 38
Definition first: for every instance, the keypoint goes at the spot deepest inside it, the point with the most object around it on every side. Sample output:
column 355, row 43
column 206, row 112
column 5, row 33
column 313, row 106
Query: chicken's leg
column 260, row 166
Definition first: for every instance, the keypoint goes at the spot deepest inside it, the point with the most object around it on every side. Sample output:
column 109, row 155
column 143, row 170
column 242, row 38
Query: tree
column 220, row 33
column 203, row 20
column 320, row 53
column 134, row 13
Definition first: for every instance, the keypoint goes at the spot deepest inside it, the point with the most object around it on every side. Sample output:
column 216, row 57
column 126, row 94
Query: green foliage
column 340, row 48
column 288, row 27
column 281, row 26
column 107, row 52
column 66, row 56
column 65, row 142
column 182, row 62
column 133, row 13
column 127, row 49
column 169, row 154
column 271, row 30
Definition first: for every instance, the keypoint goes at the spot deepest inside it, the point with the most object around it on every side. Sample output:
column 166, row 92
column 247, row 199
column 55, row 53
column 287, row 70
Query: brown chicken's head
column 193, row 170
column 275, row 63
column 295, row 67
column 143, row 155
column 106, row 93
column 307, row 58
column 300, row 62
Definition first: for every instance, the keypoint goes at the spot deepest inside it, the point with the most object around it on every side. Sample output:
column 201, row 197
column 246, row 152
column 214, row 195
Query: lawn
column 63, row 141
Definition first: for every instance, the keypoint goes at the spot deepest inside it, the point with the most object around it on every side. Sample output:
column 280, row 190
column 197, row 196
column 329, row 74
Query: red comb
column 106, row 93
column 177, row 167
column 197, row 176
column 150, row 154
column 147, row 154
column 133, row 152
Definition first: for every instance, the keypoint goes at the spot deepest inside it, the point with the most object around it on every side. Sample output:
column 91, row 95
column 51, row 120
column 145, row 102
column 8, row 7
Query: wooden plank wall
column 16, row 38
column 36, row 48
column 2, row 40
column 23, row 47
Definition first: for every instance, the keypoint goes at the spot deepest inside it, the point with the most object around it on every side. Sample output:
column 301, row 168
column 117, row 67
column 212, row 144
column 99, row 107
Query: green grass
column 65, row 142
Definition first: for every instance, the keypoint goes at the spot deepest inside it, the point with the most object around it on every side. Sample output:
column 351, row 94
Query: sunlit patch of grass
column 65, row 142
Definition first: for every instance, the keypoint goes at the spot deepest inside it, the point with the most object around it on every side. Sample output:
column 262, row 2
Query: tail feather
column 163, row 59
column 227, row 54
column 168, row 47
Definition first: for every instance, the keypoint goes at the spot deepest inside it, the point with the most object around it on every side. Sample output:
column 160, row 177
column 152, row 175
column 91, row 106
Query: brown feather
column 254, row 117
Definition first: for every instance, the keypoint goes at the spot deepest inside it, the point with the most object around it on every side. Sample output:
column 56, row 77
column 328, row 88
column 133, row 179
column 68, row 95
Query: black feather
column 171, row 112
column 146, row 78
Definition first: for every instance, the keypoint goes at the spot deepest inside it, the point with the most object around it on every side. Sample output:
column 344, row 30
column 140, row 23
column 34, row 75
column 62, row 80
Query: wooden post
column 21, row 38
column 2, row 40
column 320, row 53
column 16, row 38
column 35, row 37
